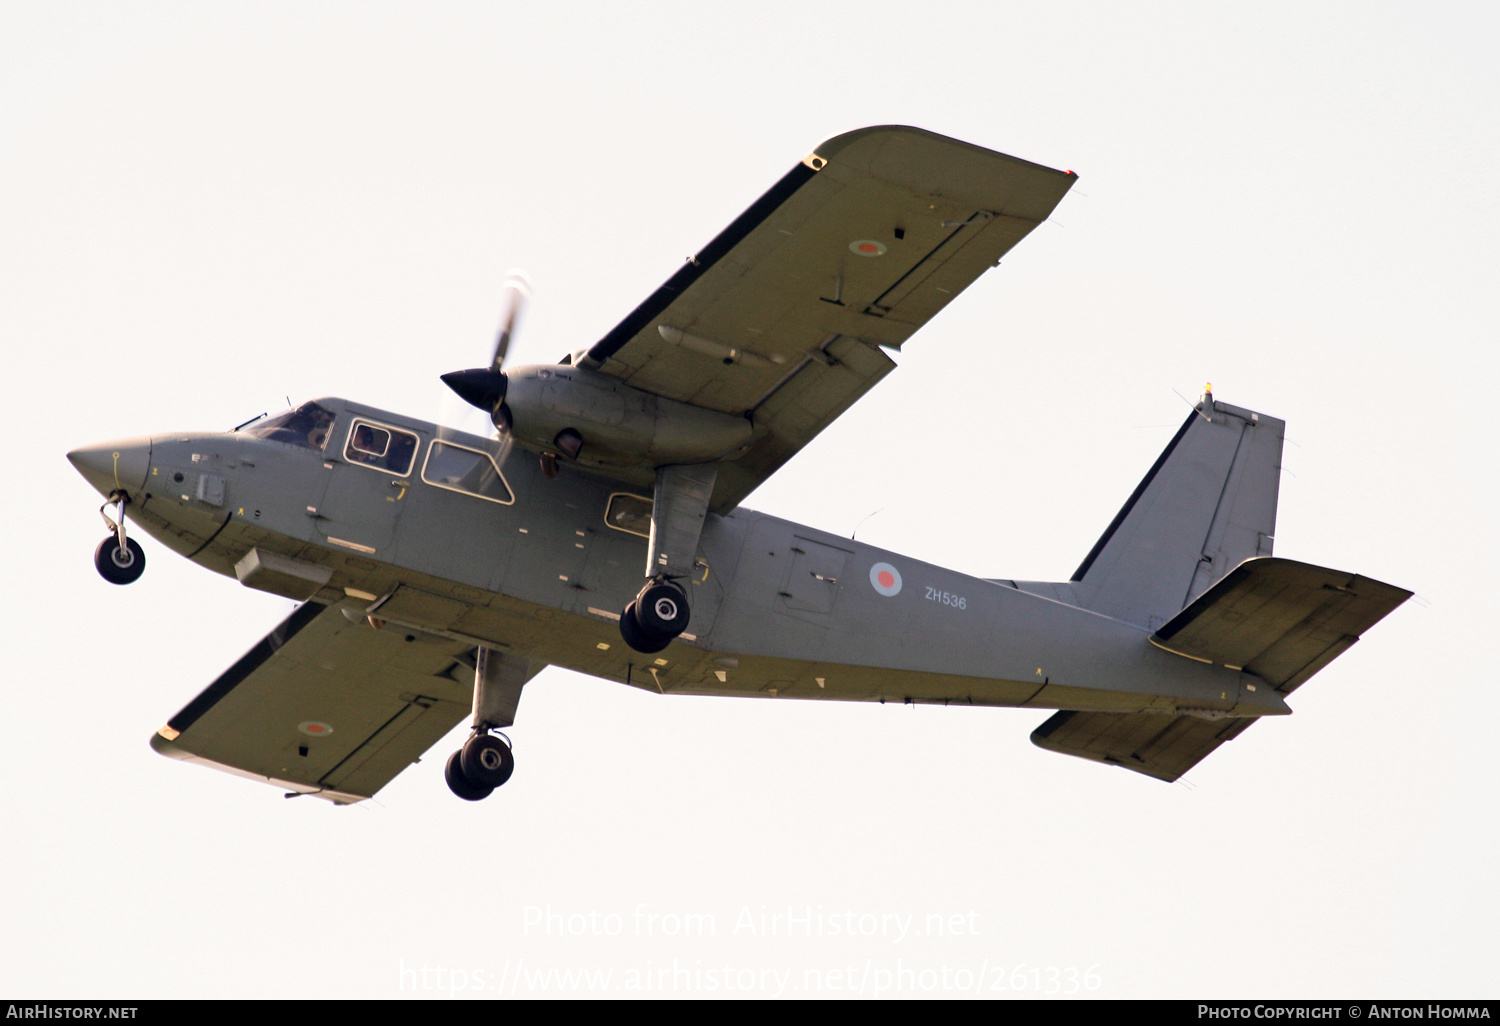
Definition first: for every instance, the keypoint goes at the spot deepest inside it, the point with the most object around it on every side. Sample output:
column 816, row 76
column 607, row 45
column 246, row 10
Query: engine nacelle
column 552, row 408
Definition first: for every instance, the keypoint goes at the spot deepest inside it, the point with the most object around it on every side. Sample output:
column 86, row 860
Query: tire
column 637, row 637
column 117, row 567
column 662, row 609
column 486, row 761
column 461, row 785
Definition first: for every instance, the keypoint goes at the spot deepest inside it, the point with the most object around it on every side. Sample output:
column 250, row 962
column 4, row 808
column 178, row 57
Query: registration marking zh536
column 947, row 598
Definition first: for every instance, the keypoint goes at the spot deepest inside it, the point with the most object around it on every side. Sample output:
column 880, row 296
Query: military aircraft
column 437, row 576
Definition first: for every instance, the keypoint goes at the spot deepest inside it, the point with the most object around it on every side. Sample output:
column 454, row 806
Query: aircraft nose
column 114, row 466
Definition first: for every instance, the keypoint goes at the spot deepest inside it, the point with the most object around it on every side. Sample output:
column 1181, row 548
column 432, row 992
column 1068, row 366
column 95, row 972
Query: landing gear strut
column 678, row 508
column 118, row 559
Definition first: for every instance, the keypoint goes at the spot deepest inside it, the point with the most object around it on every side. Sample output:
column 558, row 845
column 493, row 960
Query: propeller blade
column 501, row 443
column 515, row 293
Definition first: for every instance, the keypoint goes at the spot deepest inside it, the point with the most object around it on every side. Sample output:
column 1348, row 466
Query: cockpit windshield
column 306, row 426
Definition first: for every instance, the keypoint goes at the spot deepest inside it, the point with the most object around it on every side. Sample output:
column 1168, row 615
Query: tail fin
column 1207, row 505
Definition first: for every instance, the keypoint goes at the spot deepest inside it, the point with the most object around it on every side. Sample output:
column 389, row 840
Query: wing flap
column 1279, row 619
column 325, row 705
column 1160, row 746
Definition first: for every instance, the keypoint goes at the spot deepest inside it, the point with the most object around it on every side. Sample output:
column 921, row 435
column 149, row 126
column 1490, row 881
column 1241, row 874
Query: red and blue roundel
column 885, row 579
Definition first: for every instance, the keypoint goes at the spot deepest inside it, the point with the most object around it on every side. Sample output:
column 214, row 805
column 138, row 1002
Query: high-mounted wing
column 785, row 316
column 326, row 706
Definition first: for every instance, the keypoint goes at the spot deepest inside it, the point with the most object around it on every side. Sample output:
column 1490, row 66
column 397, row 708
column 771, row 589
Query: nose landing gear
column 120, row 566
column 118, row 559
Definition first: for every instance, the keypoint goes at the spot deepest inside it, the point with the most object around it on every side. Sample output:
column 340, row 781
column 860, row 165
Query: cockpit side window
column 370, row 441
column 383, row 448
column 306, row 426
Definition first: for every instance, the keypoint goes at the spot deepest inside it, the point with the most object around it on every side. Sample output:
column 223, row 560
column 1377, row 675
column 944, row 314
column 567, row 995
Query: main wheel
column 461, row 785
column 119, row 566
column 487, row 761
column 637, row 637
column 662, row 609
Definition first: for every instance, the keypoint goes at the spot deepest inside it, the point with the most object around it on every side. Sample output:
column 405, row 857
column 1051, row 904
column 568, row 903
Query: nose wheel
column 484, row 763
column 118, row 559
column 117, row 565
column 658, row 614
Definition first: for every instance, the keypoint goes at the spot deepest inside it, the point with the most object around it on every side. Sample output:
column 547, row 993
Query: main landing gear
column 485, row 762
column 118, row 559
column 678, row 508
column 656, row 616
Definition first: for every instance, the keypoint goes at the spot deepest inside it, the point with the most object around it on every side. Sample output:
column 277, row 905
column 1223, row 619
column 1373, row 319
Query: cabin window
column 629, row 513
column 466, row 470
column 383, row 448
column 306, row 426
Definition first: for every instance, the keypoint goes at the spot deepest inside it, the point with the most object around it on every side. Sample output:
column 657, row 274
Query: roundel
column 885, row 579
column 312, row 728
column 867, row 248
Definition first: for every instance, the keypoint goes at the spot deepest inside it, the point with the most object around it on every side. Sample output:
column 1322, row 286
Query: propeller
column 484, row 387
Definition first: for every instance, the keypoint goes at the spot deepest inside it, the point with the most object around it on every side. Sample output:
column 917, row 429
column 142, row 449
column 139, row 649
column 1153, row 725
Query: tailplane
column 1277, row 619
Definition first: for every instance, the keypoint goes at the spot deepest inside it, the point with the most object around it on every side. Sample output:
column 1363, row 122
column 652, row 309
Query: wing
column 325, row 705
column 785, row 316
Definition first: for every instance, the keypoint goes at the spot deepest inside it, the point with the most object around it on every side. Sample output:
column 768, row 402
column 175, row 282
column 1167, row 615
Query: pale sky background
column 205, row 208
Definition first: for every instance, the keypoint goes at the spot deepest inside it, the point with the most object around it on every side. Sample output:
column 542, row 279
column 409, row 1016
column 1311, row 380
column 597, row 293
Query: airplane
column 438, row 573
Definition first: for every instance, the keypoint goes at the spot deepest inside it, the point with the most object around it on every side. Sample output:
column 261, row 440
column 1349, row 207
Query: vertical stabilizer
column 1207, row 505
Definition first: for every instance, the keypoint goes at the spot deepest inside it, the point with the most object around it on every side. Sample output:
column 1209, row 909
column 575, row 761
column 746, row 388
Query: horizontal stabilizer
column 1279, row 619
column 1160, row 746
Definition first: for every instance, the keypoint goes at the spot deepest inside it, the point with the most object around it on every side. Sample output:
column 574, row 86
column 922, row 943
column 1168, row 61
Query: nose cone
column 114, row 466
column 482, row 387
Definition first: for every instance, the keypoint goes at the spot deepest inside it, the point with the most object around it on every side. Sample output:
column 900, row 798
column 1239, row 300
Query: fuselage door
column 812, row 582
column 371, row 475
